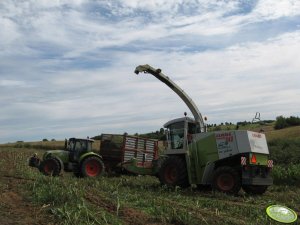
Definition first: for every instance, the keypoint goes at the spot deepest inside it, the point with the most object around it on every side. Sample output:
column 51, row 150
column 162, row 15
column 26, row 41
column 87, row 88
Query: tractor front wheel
column 92, row 167
column 226, row 180
column 255, row 189
column 50, row 167
column 173, row 172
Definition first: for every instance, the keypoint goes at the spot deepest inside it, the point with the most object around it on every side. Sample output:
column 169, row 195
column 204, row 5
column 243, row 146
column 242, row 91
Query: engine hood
column 61, row 154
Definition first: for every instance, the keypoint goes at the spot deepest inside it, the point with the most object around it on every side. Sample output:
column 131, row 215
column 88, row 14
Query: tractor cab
column 179, row 134
column 77, row 147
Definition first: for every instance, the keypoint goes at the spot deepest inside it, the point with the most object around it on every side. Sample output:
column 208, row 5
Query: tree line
column 282, row 122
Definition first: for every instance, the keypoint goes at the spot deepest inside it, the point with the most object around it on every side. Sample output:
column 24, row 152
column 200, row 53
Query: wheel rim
column 49, row 167
column 171, row 174
column 225, row 182
column 93, row 168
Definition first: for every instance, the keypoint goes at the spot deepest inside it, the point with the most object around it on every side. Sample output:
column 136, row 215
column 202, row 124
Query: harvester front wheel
column 227, row 180
column 255, row 189
column 92, row 167
column 50, row 167
column 173, row 172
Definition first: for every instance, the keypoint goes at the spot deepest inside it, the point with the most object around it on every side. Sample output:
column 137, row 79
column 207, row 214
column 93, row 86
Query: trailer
column 129, row 153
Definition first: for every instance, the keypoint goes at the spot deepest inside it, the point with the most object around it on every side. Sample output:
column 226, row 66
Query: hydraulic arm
column 165, row 79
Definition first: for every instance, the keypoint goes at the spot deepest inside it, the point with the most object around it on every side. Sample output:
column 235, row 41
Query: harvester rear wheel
column 173, row 172
column 92, row 167
column 255, row 189
column 226, row 180
column 50, row 167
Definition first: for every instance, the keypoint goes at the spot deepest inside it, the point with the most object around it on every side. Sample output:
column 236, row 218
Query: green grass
column 139, row 199
column 287, row 133
column 288, row 175
column 285, row 151
column 142, row 200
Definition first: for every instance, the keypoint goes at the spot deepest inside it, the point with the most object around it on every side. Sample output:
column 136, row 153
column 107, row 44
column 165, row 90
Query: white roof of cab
column 182, row 119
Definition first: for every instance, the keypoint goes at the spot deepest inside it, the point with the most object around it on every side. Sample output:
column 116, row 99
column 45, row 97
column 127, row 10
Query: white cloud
column 269, row 9
column 66, row 68
column 12, row 83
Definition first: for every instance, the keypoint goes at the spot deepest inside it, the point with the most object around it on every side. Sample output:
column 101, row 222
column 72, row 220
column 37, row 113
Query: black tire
column 51, row 167
column 157, row 165
column 173, row 172
column 255, row 189
column 226, row 180
column 92, row 167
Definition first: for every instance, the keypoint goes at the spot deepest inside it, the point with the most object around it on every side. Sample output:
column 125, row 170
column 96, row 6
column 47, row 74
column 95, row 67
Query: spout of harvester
column 141, row 69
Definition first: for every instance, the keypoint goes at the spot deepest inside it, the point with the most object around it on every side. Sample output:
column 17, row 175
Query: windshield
column 176, row 135
column 71, row 145
column 79, row 145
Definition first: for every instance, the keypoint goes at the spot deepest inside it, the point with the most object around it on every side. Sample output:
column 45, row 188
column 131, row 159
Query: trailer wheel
column 92, row 167
column 50, row 167
column 226, row 180
column 173, row 172
column 255, row 189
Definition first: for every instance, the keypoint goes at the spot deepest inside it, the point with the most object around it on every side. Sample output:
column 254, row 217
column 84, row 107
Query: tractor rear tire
column 173, row 172
column 227, row 180
column 92, row 167
column 255, row 189
column 50, row 167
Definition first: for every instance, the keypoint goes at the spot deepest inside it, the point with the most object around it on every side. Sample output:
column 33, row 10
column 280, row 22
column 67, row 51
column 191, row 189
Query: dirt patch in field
column 15, row 209
column 126, row 214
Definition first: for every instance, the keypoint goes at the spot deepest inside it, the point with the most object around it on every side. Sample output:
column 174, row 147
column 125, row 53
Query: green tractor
column 225, row 160
column 77, row 157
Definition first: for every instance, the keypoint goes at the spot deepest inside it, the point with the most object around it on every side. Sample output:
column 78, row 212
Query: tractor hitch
column 34, row 161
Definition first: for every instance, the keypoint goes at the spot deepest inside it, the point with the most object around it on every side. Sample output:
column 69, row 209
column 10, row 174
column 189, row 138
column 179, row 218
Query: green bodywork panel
column 261, row 159
column 61, row 154
column 64, row 155
column 133, row 167
column 199, row 154
column 88, row 154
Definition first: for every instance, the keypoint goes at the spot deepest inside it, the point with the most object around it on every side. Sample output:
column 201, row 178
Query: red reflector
column 253, row 159
column 243, row 161
column 270, row 163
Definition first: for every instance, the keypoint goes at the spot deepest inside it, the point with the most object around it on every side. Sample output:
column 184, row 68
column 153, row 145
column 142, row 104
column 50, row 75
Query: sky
column 67, row 67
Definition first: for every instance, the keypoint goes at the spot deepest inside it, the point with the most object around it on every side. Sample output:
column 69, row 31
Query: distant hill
column 286, row 133
column 267, row 129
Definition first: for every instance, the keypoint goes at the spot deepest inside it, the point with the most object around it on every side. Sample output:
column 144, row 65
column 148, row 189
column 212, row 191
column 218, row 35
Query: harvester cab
column 179, row 133
column 225, row 160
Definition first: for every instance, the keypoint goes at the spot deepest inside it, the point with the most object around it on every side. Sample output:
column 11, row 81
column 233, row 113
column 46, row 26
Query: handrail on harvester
column 165, row 79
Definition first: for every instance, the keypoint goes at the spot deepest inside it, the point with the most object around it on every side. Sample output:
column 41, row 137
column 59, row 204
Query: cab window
column 176, row 135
